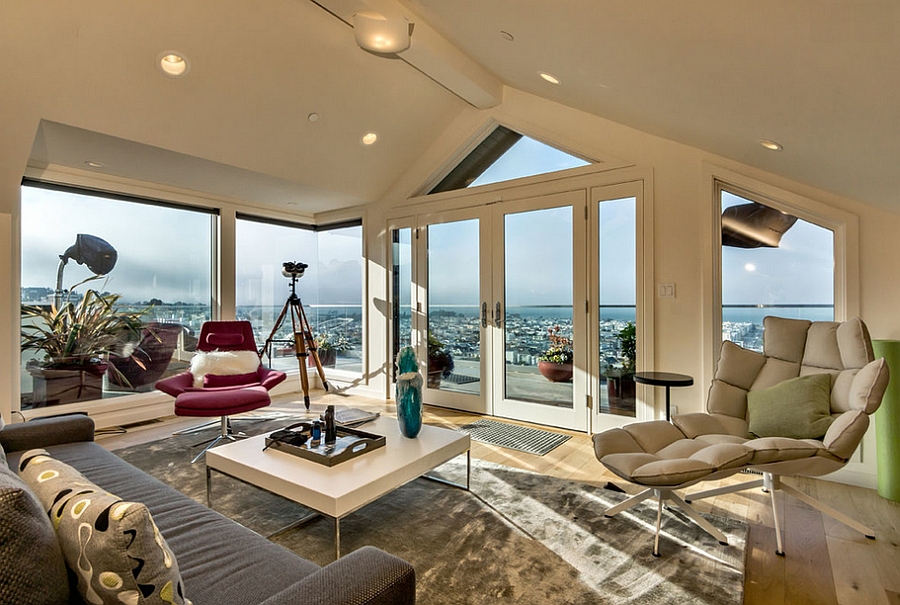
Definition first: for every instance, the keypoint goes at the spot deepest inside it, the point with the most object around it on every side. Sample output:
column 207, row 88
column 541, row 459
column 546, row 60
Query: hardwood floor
column 826, row 562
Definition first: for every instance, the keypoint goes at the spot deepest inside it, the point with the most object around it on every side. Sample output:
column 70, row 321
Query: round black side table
column 664, row 379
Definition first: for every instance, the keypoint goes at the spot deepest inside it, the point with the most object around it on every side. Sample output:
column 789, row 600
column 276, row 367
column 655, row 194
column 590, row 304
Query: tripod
column 304, row 343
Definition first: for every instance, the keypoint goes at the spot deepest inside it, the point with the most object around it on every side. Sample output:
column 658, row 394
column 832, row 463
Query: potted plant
column 440, row 362
column 76, row 339
column 328, row 346
column 620, row 386
column 555, row 364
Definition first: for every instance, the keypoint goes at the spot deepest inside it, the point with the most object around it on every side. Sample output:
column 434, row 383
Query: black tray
column 350, row 443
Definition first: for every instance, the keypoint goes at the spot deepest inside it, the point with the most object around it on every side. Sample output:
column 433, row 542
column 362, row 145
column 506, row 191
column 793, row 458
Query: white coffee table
column 344, row 488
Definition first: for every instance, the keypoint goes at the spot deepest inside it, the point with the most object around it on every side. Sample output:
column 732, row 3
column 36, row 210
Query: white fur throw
column 222, row 363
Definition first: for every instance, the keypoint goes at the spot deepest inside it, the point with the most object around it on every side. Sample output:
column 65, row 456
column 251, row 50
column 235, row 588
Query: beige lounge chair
column 696, row 447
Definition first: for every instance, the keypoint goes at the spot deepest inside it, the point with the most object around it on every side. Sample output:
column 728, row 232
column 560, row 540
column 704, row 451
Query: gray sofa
column 221, row 562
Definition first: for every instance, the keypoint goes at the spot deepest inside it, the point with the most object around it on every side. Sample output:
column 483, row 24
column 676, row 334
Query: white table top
column 341, row 489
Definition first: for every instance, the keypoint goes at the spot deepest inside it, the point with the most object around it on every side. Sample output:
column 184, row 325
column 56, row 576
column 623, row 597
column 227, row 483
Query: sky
column 164, row 253
column 799, row 271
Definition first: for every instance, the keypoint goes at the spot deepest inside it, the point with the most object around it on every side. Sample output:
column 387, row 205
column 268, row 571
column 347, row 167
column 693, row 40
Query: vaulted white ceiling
column 820, row 77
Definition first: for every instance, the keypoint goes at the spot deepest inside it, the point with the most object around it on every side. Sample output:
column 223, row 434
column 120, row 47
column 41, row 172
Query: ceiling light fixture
column 369, row 138
column 549, row 78
column 770, row 145
column 507, row 36
column 93, row 164
column 173, row 64
column 378, row 34
column 313, row 117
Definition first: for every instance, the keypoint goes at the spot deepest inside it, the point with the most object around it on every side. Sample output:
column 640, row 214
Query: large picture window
column 114, row 291
column 330, row 289
column 773, row 263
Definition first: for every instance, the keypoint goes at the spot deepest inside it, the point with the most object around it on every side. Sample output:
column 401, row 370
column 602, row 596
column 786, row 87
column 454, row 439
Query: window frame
column 844, row 225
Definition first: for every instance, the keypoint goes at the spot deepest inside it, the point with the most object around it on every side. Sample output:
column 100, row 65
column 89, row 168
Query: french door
column 518, row 309
column 538, row 353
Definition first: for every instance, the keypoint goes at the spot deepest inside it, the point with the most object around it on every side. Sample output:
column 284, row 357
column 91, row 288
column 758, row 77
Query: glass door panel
column 454, row 323
column 616, row 262
column 537, row 353
column 538, row 320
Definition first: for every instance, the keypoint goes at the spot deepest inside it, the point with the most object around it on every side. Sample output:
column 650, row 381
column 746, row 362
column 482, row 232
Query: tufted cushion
column 822, row 346
column 868, row 386
column 222, row 363
column 738, row 366
column 846, row 432
column 799, row 408
column 113, row 546
column 856, row 346
column 32, row 571
column 784, row 338
column 780, row 449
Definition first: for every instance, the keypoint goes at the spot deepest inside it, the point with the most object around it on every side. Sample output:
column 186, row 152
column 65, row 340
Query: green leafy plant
column 79, row 334
column 439, row 358
column 627, row 337
column 560, row 351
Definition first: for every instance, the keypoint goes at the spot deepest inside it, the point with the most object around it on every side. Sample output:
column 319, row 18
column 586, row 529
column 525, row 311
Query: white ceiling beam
column 429, row 53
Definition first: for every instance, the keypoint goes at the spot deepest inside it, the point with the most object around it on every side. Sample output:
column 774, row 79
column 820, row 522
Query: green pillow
column 799, row 408
column 113, row 546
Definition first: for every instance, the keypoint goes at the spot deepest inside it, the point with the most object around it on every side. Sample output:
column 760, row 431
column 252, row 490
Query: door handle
column 498, row 315
column 484, row 319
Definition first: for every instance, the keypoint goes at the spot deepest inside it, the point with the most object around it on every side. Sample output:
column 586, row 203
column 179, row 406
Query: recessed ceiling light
column 549, row 78
column 369, row 138
column 173, row 64
column 313, row 117
column 770, row 145
column 93, row 164
column 507, row 36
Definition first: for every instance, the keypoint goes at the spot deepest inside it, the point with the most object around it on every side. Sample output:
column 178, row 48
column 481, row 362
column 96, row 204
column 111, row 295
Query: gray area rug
column 518, row 537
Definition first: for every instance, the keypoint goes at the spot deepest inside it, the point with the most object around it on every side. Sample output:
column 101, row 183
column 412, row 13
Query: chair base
column 226, row 434
column 772, row 483
column 667, row 495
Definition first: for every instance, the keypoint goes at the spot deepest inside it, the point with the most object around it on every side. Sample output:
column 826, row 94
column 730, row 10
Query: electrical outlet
column 665, row 290
column 673, row 410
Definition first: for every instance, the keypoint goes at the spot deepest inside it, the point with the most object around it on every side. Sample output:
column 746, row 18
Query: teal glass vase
column 409, row 393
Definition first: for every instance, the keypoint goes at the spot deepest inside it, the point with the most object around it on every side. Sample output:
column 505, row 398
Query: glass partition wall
column 330, row 288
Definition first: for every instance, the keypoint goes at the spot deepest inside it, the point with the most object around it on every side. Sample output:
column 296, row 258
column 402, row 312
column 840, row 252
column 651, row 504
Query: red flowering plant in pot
column 555, row 364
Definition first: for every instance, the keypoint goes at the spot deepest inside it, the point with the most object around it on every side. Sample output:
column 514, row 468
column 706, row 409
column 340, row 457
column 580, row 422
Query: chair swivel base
column 226, row 434
column 772, row 483
column 663, row 495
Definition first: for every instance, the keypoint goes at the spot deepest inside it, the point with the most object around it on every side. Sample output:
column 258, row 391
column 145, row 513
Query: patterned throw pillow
column 32, row 571
column 113, row 546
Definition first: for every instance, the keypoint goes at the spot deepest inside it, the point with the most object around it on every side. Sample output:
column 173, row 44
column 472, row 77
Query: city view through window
column 160, row 281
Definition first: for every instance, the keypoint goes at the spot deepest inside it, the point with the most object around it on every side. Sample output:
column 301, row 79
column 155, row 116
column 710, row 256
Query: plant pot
column 434, row 379
column 328, row 359
column 621, row 392
column 60, row 386
column 555, row 372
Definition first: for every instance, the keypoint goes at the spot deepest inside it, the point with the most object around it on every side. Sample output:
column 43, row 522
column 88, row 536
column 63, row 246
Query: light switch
column 665, row 290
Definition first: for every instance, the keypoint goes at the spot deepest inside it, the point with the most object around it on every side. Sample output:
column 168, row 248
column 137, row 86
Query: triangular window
column 503, row 156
